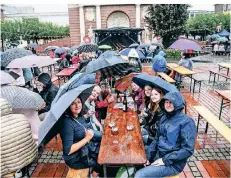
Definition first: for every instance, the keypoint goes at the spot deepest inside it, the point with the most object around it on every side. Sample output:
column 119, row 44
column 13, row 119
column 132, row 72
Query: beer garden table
column 225, row 101
column 125, row 147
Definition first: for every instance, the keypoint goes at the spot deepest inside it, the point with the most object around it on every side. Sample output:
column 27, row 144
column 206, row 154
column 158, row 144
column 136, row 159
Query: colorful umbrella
column 31, row 61
column 123, row 83
column 131, row 52
column 104, row 47
column 11, row 54
column 183, row 44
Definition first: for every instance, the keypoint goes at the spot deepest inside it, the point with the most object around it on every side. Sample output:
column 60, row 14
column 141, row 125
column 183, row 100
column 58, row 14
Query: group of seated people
column 171, row 133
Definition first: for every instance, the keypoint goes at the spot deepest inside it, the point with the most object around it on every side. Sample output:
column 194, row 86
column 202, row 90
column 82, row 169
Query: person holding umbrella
column 80, row 145
column 174, row 142
column 137, row 95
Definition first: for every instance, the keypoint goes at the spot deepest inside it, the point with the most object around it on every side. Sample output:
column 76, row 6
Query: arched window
column 118, row 19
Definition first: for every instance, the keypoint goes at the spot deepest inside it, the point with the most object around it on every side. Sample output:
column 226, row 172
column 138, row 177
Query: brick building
column 83, row 19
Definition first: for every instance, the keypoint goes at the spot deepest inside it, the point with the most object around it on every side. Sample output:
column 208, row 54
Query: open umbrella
column 73, row 48
column 145, row 79
column 77, row 80
column 67, row 48
column 214, row 36
column 156, row 44
column 87, row 48
column 31, row 61
column 21, row 98
column 222, row 39
column 108, row 65
column 123, row 83
column 48, row 128
column 51, row 48
column 183, row 44
column 144, row 45
column 109, row 53
column 60, row 50
column 11, row 54
column 104, row 47
column 33, row 45
column 134, row 45
column 223, row 33
column 131, row 52
column 6, row 78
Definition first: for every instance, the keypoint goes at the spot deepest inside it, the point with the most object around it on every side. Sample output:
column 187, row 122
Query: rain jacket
column 187, row 63
column 176, row 136
column 49, row 91
column 159, row 63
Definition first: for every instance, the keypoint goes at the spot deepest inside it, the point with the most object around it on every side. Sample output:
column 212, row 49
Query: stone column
column 137, row 15
column 81, row 22
column 98, row 17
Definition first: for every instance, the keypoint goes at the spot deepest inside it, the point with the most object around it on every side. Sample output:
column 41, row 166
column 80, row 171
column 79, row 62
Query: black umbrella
column 145, row 79
column 87, row 48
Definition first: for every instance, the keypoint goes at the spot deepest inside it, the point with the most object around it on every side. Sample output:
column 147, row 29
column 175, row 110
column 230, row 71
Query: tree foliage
column 205, row 24
column 32, row 29
column 167, row 21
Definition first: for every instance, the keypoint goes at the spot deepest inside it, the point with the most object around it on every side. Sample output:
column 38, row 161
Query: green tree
column 167, row 21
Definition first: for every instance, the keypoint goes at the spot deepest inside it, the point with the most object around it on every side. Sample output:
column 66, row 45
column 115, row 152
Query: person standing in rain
column 159, row 63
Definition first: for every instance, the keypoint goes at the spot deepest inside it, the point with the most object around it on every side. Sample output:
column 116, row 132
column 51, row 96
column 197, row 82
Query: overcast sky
column 64, row 8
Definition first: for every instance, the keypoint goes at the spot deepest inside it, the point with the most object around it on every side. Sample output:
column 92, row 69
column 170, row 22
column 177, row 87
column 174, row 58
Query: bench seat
column 166, row 77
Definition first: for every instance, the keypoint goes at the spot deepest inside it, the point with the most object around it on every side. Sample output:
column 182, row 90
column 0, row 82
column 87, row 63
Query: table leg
column 105, row 171
column 222, row 101
column 198, row 121
column 227, row 74
column 190, row 83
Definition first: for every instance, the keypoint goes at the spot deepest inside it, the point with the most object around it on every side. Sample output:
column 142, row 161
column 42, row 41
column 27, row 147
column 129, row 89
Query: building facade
column 84, row 18
column 194, row 13
column 222, row 7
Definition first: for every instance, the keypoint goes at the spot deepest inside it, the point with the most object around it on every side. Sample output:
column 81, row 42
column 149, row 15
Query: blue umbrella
column 223, row 33
column 33, row 45
column 51, row 123
column 134, row 45
column 109, row 53
column 214, row 36
column 51, row 48
column 77, row 80
column 60, row 50
column 131, row 52
column 73, row 48
column 145, row 79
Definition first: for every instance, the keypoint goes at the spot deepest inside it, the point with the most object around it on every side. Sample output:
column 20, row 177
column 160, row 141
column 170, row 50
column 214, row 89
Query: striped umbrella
column 131, row 52
column 87, row 48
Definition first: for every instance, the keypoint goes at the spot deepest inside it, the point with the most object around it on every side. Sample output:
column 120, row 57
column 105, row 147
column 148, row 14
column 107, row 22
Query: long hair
column 155, row 106
column 145, row 99
column 69, row 112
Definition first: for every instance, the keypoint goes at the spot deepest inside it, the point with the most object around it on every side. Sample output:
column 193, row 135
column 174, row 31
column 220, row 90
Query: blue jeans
column 156, row 171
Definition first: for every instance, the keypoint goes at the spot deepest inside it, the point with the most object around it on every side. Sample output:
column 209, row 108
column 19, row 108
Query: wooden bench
column 78, row 173
column 214, row 121
column 166, row 77
column 215, row 73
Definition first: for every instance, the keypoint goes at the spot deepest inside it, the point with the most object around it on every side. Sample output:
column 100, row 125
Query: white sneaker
column 18, row 174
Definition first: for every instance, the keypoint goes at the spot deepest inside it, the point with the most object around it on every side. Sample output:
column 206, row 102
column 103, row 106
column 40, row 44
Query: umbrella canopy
column 87, row 48
column 73, row 48
column 183, row 44
column 123, row 83
column 21, row 98
column 31, row 61
column 51, row 48
column 222, row 39
column 60, row 50
column 67, row 48
column 33, row 45
column 145, row 79
column 215, row 42
column 104, row 47
column 134, row 45
column 11, row 54
column 76, row 81
column 109, row 53
column 107, row 65
column 214, row 36
column 6, row 78
column 223, row 33
column 48, row 129
column 144, row 45
column 131, row 52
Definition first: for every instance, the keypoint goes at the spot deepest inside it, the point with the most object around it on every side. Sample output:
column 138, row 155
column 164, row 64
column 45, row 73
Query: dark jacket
column 71, row 133
column 49, row 91
column 139, row 94
column 176, row 136
column 152, row 121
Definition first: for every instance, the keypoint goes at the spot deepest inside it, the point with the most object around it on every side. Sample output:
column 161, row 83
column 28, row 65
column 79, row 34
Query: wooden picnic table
column 225, row 101
column 126, row 148
column 67, row 72
column 172, row 65
column 224, row 66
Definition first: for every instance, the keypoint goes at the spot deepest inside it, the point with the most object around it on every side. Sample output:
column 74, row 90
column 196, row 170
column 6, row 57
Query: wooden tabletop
column 130, row 147
column 67, row 71
column 225, row 93
column 183, row 71
column 172, row 65
column 226, row 65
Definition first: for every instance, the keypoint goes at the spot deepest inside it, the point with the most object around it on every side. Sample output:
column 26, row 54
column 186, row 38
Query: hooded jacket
column 49, row 91
column 159, row 62
column 176, row 135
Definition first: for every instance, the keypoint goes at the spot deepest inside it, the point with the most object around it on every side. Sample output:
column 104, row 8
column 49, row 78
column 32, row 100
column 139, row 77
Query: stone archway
column 118, row 19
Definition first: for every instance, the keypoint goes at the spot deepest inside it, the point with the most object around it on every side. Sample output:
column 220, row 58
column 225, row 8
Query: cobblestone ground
column 212, row 154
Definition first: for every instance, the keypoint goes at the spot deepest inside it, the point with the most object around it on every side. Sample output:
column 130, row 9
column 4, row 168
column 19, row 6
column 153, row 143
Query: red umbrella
column 123, row 83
